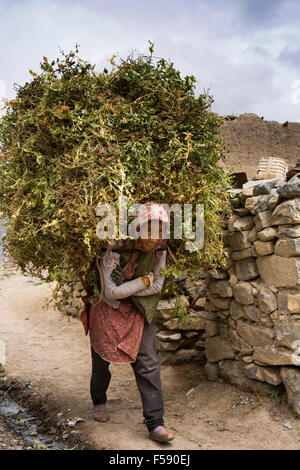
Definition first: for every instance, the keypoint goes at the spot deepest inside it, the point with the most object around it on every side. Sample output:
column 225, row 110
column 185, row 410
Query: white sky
column 247, row 52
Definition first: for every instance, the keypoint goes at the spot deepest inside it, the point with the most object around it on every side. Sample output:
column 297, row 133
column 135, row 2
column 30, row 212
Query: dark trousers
column 147, row 374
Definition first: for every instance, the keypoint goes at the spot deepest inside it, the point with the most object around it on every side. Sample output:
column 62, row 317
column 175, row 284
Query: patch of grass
column 277, row 398
column 29, row 385
column 179, row 311
column 39, row 445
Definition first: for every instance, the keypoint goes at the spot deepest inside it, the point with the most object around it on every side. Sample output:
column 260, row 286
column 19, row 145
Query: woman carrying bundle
column 121, row 323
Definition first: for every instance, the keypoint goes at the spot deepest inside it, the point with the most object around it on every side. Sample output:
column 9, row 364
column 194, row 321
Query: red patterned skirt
column 116, row 333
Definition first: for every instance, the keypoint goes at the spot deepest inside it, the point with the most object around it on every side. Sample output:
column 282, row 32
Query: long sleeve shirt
column 112, row 292
column 116, row 328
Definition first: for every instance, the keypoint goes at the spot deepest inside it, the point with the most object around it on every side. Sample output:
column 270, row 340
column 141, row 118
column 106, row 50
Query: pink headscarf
column 148, row 211
column 152, row 211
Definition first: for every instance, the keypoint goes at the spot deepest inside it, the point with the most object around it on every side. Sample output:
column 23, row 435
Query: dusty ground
column 50, row 351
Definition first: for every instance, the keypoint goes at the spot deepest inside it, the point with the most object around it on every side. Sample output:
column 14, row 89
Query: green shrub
column 74, row 138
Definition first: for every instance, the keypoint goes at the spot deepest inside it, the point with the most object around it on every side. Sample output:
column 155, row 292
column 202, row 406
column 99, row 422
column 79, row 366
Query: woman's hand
column 148, row 279
column 117, row 276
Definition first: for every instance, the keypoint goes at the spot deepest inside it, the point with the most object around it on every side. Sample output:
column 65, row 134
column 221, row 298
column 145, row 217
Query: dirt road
column 48, row 362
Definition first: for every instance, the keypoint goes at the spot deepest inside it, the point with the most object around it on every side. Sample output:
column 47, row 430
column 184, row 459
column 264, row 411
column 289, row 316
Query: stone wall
column 248, row 138
column 252, row 335
column 262, row 331
column 179, row 340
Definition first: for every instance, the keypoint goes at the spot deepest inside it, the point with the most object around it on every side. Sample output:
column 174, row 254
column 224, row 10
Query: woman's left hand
column 117, row 276
column 151, row 278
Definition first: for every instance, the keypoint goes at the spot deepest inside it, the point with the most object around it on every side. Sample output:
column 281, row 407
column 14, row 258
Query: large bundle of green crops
column 74, row 138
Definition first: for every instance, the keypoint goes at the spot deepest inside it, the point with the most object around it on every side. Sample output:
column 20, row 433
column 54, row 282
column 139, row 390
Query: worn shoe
column 101, row 415
column 161, row 435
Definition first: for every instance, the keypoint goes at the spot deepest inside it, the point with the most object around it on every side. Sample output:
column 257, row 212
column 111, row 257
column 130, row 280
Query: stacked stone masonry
column 252, row 336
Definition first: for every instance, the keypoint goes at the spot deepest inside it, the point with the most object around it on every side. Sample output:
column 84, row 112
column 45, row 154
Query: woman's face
column 149, row 242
